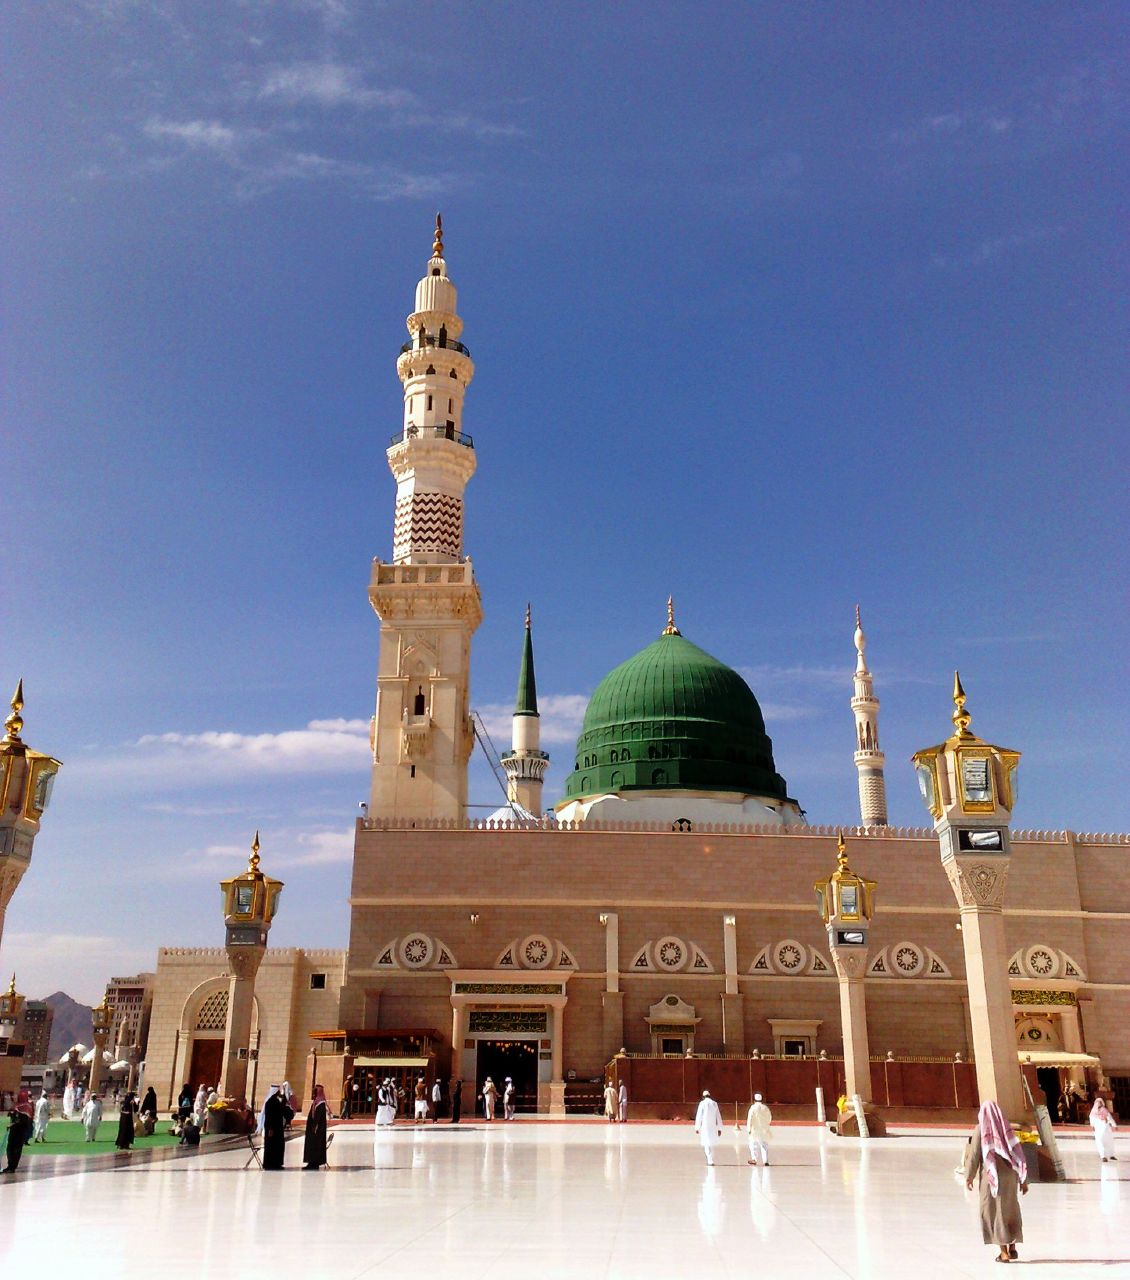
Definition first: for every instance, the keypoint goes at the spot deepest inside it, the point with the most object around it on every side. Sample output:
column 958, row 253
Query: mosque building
column 665, row 906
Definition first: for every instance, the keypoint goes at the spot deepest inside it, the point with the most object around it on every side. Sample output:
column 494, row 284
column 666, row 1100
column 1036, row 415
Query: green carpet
column 66, row 1138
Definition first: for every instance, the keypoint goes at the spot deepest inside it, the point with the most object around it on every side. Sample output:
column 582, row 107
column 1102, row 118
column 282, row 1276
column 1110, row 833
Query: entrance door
column 515, row 1058
column 1048, row 1079
column 207, row 1063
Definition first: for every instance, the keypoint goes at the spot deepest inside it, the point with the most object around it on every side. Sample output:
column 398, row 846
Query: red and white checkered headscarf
column 999, row 1141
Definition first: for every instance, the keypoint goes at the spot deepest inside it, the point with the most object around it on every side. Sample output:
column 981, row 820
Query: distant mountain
column 70, row 1024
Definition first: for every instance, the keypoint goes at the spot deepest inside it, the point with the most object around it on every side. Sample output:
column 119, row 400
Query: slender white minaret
column 525, row 763
column 427, row 598
column 868, row 758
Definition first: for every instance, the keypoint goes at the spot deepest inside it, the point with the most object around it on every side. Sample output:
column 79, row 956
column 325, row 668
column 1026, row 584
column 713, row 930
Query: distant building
column 132, row 1001
column 296, row 992
column 34, row 1029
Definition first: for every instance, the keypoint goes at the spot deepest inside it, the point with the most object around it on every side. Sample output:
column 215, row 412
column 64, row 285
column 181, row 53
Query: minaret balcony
column 432, row 340
column 438, row 432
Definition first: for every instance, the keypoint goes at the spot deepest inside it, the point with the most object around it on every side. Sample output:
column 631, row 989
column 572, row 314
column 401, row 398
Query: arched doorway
column 200, row 1056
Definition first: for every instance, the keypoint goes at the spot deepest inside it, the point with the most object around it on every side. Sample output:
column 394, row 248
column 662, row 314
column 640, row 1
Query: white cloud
column 561, row 715
column 287, row 849
column 322, row 744
column 198, row 135
column 327, row 84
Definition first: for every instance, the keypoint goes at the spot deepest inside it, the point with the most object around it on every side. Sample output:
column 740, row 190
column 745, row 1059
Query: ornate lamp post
column 11, row 1062
column 102, row 1016
column 969, row 786
column 250, row 903
column 847, row 903
column 26, row 779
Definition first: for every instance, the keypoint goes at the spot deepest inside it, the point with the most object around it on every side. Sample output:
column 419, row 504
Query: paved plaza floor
column 544, row 1200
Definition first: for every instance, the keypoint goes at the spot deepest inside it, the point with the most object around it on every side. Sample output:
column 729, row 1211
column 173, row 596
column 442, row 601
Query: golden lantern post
column 250, row 903
column 847, row 903
column 11, row 1051
column 102, row 1017
column 969, row 786
column 26, row 779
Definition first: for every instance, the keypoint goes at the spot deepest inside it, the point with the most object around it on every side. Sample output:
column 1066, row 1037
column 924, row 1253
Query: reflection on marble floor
column 562, row 1200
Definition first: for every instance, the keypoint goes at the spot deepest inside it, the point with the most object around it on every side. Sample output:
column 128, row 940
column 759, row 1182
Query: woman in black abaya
column 124, row 1139
column 276, row 1116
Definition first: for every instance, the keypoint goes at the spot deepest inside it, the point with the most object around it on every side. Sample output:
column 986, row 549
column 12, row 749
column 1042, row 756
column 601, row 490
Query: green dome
column 674, row 718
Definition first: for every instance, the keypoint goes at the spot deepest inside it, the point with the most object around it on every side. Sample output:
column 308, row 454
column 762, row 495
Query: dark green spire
column 527, row 703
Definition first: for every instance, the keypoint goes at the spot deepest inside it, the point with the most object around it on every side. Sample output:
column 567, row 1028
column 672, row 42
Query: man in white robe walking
column 91, row 1117
column 708, row 1125
column 42, row 1115
column 757, row 1123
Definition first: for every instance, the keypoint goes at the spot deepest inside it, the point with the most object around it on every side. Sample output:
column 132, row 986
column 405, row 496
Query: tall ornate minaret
column 525, row 763
column 427, row 598
column 868, row 758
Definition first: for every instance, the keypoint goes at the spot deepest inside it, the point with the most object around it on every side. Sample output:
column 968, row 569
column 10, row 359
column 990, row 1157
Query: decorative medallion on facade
column 671, row 955
column 1046, row 962
column 907, row 960
column 535, row 952
column 790, row 958
column 415, row 950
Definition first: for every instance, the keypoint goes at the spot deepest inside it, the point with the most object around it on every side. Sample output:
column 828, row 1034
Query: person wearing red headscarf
column 996, row 1158
column 317, row 1121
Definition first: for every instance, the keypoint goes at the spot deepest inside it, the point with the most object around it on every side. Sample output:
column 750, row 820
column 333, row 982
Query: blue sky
column 776, row 307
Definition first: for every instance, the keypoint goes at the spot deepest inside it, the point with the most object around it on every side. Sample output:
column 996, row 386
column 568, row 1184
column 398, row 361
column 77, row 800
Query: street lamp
column 102, row 1016
column 250, row 902
column 847, row 904
column 969, row 787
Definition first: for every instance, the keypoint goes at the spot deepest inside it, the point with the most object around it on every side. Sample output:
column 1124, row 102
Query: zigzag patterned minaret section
column 427, row 597
column 869, row 760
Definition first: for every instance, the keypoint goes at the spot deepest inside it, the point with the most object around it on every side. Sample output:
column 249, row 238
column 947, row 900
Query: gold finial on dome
column 670, row 629
column 961, row 717
column 858, row 624
column 437, row 243
column 253, row 861
column 12, row 986
column 14, row 724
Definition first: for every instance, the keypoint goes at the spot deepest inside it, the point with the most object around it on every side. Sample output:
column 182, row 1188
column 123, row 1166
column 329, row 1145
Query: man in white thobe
column 757, row 1124
column 92, row 1117
column 42, row 1115
column 69, row 1102
column 623, row 1101
column 708, row 1125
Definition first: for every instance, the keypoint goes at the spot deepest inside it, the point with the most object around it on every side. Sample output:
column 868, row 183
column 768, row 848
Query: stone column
column 557, row 1080
column 978, row 884
column 851, row 966
column 458, row 1035
column 733, row 1012
column 244, row 965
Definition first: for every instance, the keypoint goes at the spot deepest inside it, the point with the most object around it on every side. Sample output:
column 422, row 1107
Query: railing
column 438, row 433
column 433, row 340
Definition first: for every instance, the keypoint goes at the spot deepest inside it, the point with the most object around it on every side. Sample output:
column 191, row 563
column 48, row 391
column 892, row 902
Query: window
column 795, row 1048
column 429, row 400
column 450, row 405
column 317, row 982
column 419, row 705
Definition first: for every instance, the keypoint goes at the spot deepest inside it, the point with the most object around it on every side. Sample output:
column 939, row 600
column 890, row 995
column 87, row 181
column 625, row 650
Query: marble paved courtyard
column 540, row 1200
